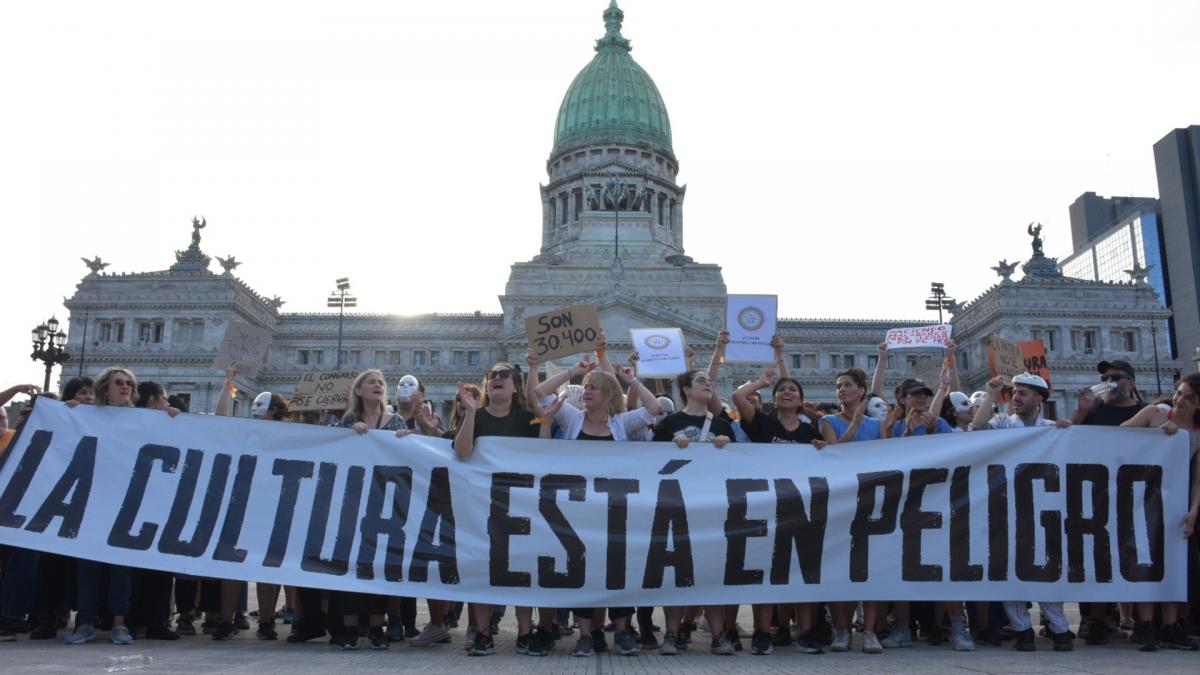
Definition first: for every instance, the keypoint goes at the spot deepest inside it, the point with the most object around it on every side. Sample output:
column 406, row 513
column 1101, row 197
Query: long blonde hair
column 610, row 389
column 105, row 378
column 354, row 404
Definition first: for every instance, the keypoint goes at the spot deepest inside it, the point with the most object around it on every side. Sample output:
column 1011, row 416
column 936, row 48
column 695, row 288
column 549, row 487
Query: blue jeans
column 18, row 582
column 120, row 585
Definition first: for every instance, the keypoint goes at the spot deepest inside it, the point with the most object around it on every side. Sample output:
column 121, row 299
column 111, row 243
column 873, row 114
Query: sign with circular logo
column 751, row 318
column 657, row 341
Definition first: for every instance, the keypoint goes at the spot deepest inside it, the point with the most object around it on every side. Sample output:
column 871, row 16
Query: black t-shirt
column 1111, row 415
column 764, row 428
column 518, row 423
column 683, row 424
column 588, row 437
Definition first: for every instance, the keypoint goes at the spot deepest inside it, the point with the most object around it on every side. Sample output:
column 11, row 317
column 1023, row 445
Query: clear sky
column 842, row 155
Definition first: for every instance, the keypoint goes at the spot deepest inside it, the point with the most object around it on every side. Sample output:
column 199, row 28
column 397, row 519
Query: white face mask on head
column 877, row 408
column 668, row 407
column 407, row 387
column 262, row 404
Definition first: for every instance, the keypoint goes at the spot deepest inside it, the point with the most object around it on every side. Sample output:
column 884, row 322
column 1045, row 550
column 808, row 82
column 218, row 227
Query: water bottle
column 120, row 664
column 1103, row 388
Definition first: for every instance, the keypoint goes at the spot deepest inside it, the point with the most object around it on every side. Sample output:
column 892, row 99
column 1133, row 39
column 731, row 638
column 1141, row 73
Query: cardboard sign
column 936, row 335
column 563, row 332
column 327, row 390
column 660, row 351
column 1034, row 353
column 244, row 345
column 1004, row 357
column 928, row 371
column 750, row 320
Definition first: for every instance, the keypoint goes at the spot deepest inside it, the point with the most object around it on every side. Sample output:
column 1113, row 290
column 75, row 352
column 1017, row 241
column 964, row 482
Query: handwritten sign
column 244, row 345
column 936, row 335
column 1004, row 357
column 929, row 371
column 750, row 320
column 660, row 351
column 563, row 332
column 1034, row 353
column 327, row 390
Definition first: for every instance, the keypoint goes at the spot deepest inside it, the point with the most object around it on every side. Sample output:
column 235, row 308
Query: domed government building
column 612, row 236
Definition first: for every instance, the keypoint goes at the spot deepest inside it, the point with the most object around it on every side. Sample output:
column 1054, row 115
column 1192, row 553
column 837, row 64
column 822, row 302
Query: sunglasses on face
column 503, row 374
column 1115, row 377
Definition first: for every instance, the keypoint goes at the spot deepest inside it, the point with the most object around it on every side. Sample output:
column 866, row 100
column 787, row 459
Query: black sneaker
column 241, row 622
column 7, row 635
column 44, row 631
column 989, row 636
column 161, row 633
column 185, row 624
column 208, row 626
column 721, row 645
column 483, row 645
column 1175, row 636
column 625, row 644
column 599, row 643
column 935, row 636
column 1097, row 632
column 783, row 637
column 348, row 641
column 1144, row 637
column 809, row 643
column 685, row 634
column 224, row 631
column 734, row 640
column 542, row 643
column 761, row 643
column 648, row 641
column 1025, row 641
column 523, row 642
column 376, row 639
column 1064, row 641
column 266, row 631
column 307, row 628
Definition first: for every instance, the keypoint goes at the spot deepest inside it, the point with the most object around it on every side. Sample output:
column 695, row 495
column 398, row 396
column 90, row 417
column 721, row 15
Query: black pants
column 150, row 603
column 55, row 588
column 185, row 594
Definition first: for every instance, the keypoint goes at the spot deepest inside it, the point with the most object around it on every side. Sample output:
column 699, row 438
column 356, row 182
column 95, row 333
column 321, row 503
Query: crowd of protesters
column 596, row 400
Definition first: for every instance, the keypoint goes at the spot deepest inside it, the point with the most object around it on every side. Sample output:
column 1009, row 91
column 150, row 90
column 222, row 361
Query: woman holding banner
column 603, row 418
column 366, row 409
column 116, row 387
column 850, row 424
column 503, row 411
column 1184, row 413
column 784, row 425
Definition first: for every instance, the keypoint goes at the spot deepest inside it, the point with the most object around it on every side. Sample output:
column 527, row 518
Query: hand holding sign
column 660, row 351
column 563, row 332
column 1004, row 357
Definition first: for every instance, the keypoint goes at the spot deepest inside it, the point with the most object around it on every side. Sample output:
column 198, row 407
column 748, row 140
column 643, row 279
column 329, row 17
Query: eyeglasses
column 701, row 380
column 501, row 374
column 1114, row 377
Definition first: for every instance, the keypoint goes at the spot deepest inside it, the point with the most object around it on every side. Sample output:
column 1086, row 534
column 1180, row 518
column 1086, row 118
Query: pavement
column 246, row 654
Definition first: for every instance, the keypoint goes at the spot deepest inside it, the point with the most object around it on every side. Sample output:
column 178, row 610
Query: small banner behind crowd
column 1085, row 513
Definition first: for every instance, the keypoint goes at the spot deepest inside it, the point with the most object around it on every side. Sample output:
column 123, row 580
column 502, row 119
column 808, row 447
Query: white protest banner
column 563, row 332
column 328, row 390
column 750, row 320
column 909, row 337
column 660, row 351
column 244, row 345
column 1086, row 513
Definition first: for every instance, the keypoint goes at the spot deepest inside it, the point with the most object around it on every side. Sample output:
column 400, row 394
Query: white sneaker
column 899, row 637
column 431, row 634
column 963, row 642
column 871, row 644
column 841, row 641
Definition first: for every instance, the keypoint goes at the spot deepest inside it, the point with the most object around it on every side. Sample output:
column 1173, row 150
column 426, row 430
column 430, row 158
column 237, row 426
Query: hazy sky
column 842, row 155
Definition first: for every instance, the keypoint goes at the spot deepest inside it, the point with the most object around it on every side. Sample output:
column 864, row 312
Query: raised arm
column 552, row 384
column 741, row 397
column 27, row 389
column 952, row 361
column 648, row 399
column 984, row 413
column 777, row 345
column 943, row 389
column 225, row 398
column 880, row 367
column 464, row 440
column 718, row 357
column 602, row 354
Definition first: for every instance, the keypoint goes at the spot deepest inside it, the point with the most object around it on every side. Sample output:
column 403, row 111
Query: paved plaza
column 246, row 654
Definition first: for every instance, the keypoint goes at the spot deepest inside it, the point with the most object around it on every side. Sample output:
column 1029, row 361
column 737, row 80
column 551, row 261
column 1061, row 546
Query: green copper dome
column 612, row 100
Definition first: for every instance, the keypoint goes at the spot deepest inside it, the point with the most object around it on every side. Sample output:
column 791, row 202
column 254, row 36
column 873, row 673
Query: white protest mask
column 668, row 407
column 407, row 387
column 877, row 408
column 573, row 393
column 262, row 404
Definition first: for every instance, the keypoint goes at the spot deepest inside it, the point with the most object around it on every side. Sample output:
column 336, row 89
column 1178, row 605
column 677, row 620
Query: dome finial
column 613, row 16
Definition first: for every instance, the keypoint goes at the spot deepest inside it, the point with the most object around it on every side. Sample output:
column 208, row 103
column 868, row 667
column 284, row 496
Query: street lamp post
column 938, row 299
column 341, row 299
column 1154, row 341
column 619, row 195
column 48, row 347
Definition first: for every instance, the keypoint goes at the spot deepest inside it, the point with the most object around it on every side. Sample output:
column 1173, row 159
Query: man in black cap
column 1111, row 408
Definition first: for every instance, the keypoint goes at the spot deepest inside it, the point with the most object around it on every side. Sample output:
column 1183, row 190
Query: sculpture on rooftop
column 96, row 265
column 1035, row 231
column 1005, row 269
